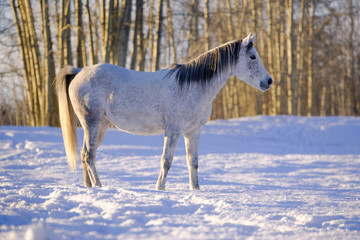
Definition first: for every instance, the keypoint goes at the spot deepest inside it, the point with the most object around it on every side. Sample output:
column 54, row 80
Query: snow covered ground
column 261, row 177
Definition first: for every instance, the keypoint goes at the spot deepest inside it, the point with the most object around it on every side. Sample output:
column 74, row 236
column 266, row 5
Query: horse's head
column 249, row 67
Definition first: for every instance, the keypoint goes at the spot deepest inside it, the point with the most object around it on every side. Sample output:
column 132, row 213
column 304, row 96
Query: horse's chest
column 189, row 118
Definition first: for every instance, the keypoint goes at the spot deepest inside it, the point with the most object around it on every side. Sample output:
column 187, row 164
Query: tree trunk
column 207, row 26
column 148, row 39
column 80, row 37
column 137, row 33
column 157, row 40
column 115, row 37
column 35, row 65
column 352, row 53
column 124, row 33
column 64, row 44
column 299, row 61
column 140, row 36
column 90, row 34
column 102, row 23
column 310, row 59
column 25, row 59
column 229, row 19
column 282, row 48
column 34, row 74
column 277, row 56
column 270, row 57
column 289, row 46
column 107, row 31
column 171, row 31
column 52, row 116
column 98, row 40
column 192, row 29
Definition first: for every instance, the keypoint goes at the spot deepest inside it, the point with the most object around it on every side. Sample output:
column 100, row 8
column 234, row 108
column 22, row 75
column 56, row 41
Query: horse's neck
column 214, row 86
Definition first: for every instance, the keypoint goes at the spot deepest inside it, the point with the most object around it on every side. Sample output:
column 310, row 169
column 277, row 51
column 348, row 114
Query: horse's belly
column 146, row 131
column 138, row 124
column 141, row 130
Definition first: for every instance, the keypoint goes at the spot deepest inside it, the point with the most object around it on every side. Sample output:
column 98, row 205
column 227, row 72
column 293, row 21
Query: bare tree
column 124, row 26
column 108, row 31
column 207, row 25
column 158, row 36
column 171, row 30
column 354, row 92
column 289, row 53
column 64, row 40
column 299, row 61
column 31, row 59
column 80, row 36
column 51, row 109
column 138, row 34
column 311, row 16
column 92, row 53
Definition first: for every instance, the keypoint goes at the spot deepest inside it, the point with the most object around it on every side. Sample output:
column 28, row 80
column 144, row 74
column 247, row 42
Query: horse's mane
column 209, row 64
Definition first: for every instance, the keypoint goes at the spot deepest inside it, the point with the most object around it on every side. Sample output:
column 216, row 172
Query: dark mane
column 209, row 64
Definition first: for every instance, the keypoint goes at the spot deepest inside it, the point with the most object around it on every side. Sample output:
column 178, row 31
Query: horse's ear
column 246, row 40
column 252, row 39
column 249, row 39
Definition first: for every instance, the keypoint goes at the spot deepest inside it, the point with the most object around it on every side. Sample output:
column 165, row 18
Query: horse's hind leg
column 93, row 135
column 87, row 181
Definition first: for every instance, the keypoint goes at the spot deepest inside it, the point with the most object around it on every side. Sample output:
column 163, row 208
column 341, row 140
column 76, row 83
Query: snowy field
column 260, row 177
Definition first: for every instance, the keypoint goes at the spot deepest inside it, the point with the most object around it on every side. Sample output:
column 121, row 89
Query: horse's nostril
column 270, row 81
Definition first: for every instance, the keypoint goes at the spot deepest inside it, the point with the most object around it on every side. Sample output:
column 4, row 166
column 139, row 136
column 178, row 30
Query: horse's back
column 133, row 101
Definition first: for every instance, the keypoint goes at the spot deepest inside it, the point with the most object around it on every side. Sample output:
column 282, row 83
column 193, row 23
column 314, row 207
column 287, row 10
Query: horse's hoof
column 160, row 187
column 195, row 188
column 88, row 184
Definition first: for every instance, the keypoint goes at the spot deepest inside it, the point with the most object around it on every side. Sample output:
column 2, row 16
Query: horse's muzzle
column 265, row 85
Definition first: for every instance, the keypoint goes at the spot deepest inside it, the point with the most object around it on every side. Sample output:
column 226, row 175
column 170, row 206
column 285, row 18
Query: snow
column 261, row 177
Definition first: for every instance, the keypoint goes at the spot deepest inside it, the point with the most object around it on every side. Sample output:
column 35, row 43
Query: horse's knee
column 166, row 163
column 193, row 163
column 195, row 166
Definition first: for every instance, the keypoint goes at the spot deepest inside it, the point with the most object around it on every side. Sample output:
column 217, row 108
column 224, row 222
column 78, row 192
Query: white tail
column 66, row 113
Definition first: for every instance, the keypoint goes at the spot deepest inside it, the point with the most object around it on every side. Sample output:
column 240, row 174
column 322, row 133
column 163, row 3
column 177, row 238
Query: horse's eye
column 253, row 57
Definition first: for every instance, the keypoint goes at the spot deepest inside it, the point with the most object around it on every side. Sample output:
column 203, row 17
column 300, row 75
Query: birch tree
column 289, row 53
column 51, row 109
column 124, row 26
column 138, row 35
column 157, row 40
column 207, row 26
column 80, row 36
column 311, row 16
column 171, row 31
column 299, row 61
column 64, row 34
column 92, row 53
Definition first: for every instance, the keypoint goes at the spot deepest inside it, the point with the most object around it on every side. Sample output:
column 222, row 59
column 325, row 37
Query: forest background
column 310, row 47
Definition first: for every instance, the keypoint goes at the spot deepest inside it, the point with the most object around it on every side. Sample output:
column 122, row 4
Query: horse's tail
column 66, row 113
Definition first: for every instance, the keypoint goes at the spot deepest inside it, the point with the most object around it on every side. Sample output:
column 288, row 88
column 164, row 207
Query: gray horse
column 174, row 101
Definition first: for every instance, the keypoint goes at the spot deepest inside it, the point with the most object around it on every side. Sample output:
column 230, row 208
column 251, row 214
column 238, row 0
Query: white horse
column 174, row 101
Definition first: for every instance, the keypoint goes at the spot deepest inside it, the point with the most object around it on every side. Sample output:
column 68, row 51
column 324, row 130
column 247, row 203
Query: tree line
column 310, row 47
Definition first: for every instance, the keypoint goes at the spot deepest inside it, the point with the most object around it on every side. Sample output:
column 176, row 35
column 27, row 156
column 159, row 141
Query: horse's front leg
column 170, row 142
column 191, row 144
